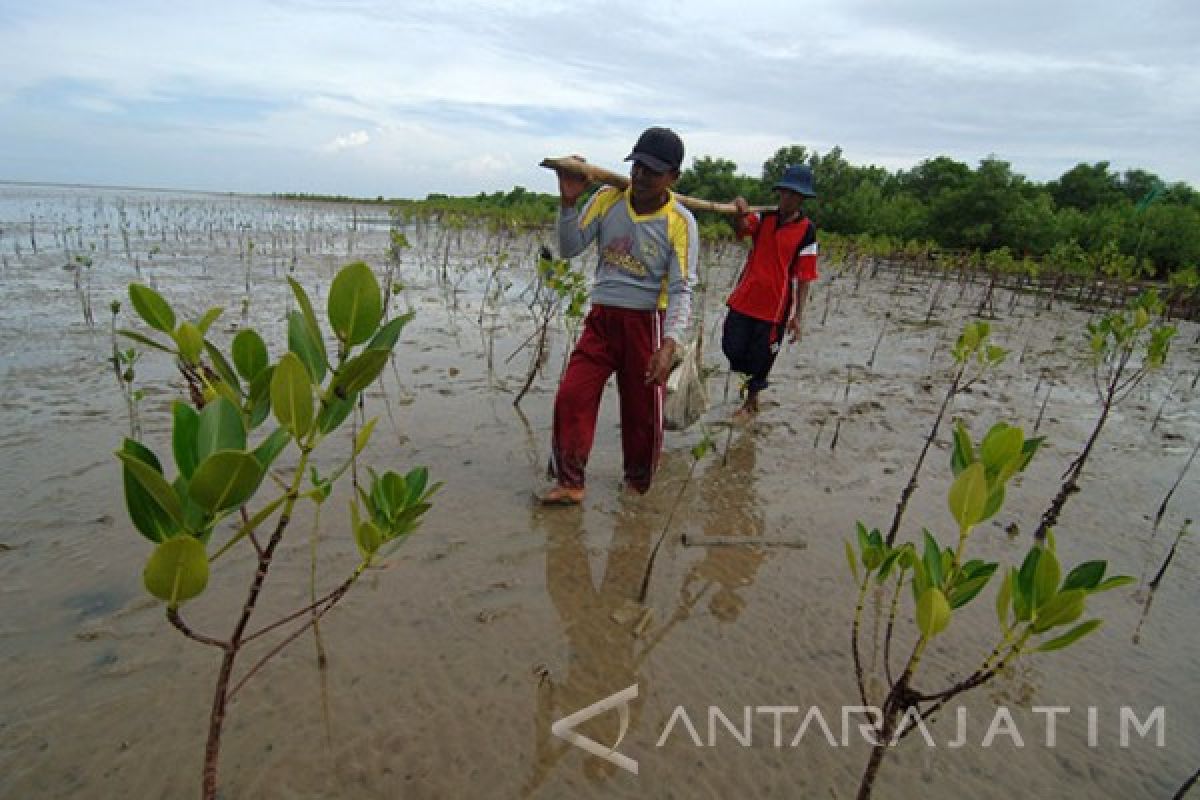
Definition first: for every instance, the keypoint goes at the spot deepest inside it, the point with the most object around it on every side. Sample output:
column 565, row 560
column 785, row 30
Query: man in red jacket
column 773, row 287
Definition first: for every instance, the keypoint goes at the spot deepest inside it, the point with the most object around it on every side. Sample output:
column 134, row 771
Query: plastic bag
column 687, row 396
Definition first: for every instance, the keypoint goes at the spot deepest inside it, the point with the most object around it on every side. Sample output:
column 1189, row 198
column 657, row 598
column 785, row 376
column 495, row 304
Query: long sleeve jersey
column 646, row 261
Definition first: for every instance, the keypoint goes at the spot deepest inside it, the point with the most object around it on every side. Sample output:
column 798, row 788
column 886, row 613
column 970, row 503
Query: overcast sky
column 369, row 98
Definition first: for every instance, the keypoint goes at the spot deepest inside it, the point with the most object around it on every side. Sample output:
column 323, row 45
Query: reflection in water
column 601, row 658
column 604, row 654
column 732, row 508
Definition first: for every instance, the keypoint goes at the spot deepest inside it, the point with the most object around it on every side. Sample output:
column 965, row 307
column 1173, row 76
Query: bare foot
column 560, row 496
column 743, row 415
column 748, row 410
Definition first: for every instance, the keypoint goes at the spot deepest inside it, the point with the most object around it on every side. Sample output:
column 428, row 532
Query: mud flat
column 448, row 668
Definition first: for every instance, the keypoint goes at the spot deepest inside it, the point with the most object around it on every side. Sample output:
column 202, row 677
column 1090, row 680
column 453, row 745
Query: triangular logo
column 565, row 728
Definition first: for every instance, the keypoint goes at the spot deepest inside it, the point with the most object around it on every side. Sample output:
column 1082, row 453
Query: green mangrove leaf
column 963, row 454
column 1029, row 450
column 1070, row 637
column 156, row 488
column 146, row 340
column 368, row 537
column 334, row 413
column 149, row 516
column 185, row 431
column 920, row 579
column 966, row 591
column 359, row 372
column 271, row 447
column 852, row 560
column 152, row 308
column 310, row 317
column 177, row 570
column 1114, row 582
column 1045, row 579
column 196, row 520
column 291, row 395
column 1063, row 609
column 392, row 496
column 389, row 334
column 995, row 500
column 1023, row 603
column 1004, row 598
column 932, row 559
column 224, row 480
column 249, row 354
column 221, row 428
column 310, row 350
column 889, row 561
column 364, row 435
column 1085, row 576
column 233, row 387
column 355, row 305
column 1000, row 451
column 864, row 540
column 933, row 612
column 416, row 480
column 190, row 341
column 258, row 398
column 969, row 495
column 206, row 321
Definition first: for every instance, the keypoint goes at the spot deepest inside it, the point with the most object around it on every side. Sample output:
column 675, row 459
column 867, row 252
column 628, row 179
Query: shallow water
column 448, row 668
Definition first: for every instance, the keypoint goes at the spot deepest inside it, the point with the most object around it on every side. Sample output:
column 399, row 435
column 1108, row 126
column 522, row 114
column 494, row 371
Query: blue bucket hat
column 798, row 178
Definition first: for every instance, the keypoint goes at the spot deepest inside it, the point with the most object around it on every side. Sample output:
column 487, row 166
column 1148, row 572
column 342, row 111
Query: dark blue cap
column 798, row 178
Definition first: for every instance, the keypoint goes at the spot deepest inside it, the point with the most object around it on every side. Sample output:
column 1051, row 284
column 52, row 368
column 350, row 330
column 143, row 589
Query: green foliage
column 570, row 285
column 177, row 570
column 1031, row 601
column 355, row 304
column 220, row 454
column 1137, row 330
column 394, row 505
column 973, row 343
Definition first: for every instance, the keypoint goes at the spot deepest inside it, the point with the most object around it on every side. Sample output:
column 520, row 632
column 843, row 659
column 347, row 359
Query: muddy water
column 447, row 669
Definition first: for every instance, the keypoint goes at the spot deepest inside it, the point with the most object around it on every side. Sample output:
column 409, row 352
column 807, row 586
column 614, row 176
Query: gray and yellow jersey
column 646, row 260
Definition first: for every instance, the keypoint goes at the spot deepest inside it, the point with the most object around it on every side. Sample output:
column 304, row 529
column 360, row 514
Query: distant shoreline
column 297, row 196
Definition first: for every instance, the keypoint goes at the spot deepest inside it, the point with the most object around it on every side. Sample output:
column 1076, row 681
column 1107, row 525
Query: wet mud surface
column 447, row 669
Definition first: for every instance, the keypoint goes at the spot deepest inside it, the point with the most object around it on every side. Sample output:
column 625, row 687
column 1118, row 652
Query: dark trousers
column 751, row 345
column 619, row 340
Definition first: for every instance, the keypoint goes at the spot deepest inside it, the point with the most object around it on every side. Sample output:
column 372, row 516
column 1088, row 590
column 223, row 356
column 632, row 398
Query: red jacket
column 778, row 255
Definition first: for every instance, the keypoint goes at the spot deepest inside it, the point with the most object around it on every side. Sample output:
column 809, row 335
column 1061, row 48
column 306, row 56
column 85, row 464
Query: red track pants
column 617, row 340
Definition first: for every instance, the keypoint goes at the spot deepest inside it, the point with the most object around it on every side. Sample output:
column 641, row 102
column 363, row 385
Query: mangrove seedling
column 558, row 288
column 123, row 362
column 973, row 355
column 1126, row 346
column 1034, row 605
column 222, row 463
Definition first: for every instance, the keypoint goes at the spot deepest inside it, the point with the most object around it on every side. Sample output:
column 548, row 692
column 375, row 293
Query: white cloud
column 347, row 141
column 467, row 95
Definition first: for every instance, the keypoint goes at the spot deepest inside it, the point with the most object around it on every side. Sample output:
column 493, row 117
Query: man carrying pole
column 772, row 290
column 641, row 304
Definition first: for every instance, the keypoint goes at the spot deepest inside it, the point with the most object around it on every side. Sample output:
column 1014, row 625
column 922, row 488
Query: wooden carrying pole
column 601, row 175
